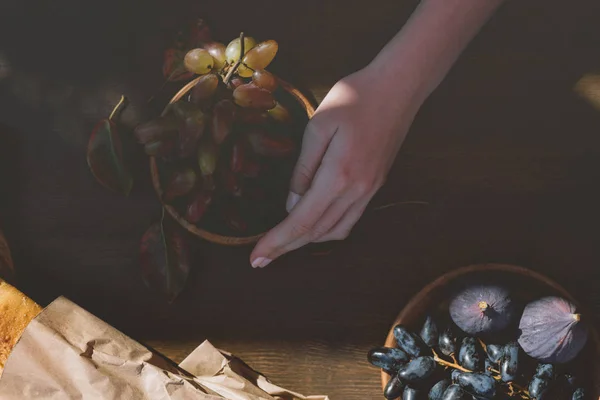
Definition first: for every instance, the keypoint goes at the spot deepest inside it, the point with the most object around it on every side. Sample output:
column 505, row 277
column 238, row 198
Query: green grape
column 207, row 157
column 265, row 80
column 280, row 113
column 251, row 96
column 244, row 71
column 199, row 61
column 232, row 52
column 260, row 56
column 217, row 51
column 205, row 88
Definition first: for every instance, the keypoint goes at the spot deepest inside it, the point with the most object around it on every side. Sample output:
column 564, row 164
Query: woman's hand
column 352, row 140
column 348, row 148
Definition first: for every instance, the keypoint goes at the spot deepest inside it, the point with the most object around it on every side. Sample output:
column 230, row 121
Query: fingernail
column 292, row 200
column 261, row 262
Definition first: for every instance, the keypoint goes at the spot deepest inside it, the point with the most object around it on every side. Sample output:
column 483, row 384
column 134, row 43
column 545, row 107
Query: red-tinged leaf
column 165, row 260
column 7, row 268
column 173, row 67
column 105, row 158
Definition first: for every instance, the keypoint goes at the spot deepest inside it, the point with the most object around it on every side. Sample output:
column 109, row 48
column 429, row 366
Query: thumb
column 315, row 141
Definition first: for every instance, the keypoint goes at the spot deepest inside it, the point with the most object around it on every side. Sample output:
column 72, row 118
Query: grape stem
column 522, row 391
column 117, row 108
column 237, row 63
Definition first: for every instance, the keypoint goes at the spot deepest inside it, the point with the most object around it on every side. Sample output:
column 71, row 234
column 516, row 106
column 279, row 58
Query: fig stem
column 577, row 317
column 117, row 108
column 483, row 306
column 238, row 62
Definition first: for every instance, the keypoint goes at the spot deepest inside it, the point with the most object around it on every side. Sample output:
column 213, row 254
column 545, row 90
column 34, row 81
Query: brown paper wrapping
column 68, row 353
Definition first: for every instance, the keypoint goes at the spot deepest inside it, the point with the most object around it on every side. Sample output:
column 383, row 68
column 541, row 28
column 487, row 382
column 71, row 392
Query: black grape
column 469, row 355
column 455, row 392
column 579, row 394
column 412, row 344
column 545, row 371
column 410, row 393
column 417, row 370
column 429, row 332
column 394, row 388
column 389, row 359
column 495, row 352
column 538, row 387
column 437, row 391
column 510, row 363
column 447, row 342
column 455, row 374
column 479, row 385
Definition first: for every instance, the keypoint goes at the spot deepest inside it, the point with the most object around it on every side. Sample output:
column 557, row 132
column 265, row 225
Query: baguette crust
column 16, row 311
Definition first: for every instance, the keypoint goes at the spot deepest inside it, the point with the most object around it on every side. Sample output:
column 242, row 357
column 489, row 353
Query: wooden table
column 501, row 165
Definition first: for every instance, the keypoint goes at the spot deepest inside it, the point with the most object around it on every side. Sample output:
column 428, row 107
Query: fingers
column 318, row 211
column 342, row 229
column 315, row 141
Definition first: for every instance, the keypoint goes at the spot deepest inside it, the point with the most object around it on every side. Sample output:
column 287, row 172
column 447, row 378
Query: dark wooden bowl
column 528, row 284
column 303, row 102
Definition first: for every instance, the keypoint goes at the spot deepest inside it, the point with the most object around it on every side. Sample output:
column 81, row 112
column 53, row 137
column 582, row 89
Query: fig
column 482, row 309
column 552, row 331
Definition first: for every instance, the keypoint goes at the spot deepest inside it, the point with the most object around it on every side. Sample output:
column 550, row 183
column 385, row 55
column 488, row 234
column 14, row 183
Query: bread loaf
column 16, row 311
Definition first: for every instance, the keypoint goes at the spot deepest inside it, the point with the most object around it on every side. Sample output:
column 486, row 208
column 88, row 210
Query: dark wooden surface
column 503, row 161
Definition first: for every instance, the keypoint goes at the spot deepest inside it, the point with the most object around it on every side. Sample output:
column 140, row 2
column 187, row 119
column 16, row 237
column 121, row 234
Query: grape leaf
column 105, row 158
column 164, row 259
column 7, row 268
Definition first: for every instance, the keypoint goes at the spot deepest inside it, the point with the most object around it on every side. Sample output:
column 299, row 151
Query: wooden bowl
column 526, row 283
column 306, row 106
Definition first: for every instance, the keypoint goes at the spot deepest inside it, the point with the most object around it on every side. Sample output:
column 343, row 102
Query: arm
column 351, row 142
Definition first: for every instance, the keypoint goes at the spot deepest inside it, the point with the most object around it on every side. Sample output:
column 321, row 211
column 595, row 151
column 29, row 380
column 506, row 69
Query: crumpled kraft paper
column 68, row 353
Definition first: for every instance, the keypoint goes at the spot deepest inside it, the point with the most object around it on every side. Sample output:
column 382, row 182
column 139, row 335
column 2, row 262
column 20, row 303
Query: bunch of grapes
column 443, row 363
column 223, row 147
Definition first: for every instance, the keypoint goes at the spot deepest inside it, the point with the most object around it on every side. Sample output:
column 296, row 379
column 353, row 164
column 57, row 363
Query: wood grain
column 501, row 164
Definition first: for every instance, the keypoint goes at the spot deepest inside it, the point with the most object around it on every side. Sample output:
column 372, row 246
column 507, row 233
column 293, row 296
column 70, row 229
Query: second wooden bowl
column 304, row 104
column 527, row 284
